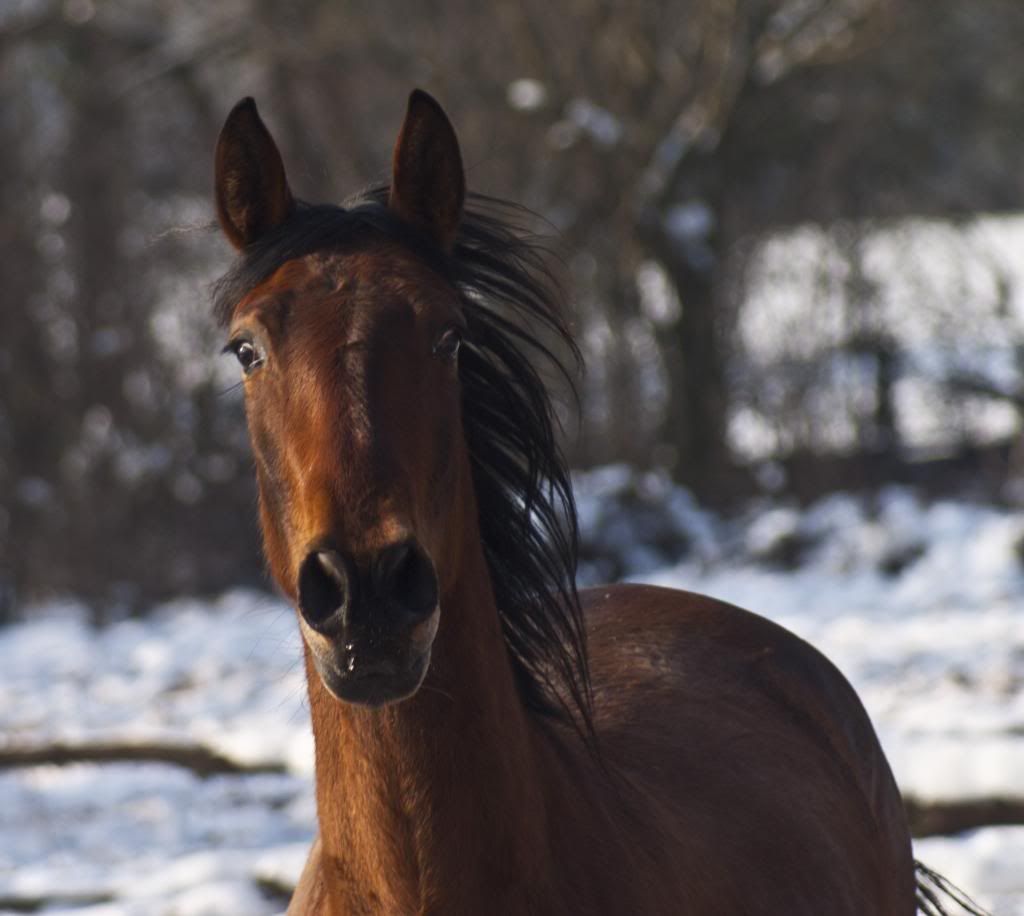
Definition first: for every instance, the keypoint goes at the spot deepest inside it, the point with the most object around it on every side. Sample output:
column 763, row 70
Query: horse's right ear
column 251, row 187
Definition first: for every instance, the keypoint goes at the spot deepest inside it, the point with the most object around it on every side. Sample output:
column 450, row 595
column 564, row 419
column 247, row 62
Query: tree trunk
column 694, row 430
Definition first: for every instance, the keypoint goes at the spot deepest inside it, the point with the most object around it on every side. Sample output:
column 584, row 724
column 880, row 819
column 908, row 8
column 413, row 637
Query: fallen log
column 198, row 758
column 927, row 818
column 942, row 818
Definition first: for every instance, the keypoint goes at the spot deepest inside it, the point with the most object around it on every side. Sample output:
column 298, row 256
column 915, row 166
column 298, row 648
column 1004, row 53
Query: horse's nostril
column 407, row 577
column 325, row 586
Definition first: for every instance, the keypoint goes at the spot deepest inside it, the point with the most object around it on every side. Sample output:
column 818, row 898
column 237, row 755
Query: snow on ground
column 152, row 839
column 227, row 674
column 917, row 603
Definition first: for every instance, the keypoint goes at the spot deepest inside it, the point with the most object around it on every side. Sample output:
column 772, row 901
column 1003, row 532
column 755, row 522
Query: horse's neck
column 422, row 802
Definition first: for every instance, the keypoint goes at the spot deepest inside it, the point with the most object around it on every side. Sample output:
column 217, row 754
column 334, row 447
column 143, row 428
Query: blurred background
column 793, row 232
column 788, row 226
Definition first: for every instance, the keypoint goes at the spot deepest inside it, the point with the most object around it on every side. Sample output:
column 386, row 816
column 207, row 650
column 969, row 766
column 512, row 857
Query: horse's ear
column 251, row 187
column 428, row 187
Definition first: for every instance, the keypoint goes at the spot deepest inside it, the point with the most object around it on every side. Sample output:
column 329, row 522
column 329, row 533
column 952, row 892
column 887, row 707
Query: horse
column 488, row 738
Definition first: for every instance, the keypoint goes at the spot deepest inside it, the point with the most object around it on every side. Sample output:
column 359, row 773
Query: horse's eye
column 447, row 346
column 247, row 354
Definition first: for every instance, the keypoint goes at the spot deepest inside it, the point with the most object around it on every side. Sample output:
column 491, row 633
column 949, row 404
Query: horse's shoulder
column 698, row 653
column 726, row 693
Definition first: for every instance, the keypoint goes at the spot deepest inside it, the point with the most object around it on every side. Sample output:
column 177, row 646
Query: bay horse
column 488, row 739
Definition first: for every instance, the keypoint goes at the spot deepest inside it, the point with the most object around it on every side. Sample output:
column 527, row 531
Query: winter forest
column 792, row 236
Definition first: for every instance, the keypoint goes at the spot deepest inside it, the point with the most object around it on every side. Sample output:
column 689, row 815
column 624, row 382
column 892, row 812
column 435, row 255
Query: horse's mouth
column 372, row 682
column 360, row 674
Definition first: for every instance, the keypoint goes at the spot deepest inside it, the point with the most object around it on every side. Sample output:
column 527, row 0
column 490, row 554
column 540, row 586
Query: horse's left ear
column 428, row 187
column 250, row 183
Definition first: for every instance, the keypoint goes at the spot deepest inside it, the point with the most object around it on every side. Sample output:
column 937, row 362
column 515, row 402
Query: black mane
column 527, row 513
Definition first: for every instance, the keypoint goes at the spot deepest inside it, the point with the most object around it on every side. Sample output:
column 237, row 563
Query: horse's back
column 757, row 765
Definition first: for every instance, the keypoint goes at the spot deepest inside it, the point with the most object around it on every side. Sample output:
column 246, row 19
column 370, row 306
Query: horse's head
column 349, row 349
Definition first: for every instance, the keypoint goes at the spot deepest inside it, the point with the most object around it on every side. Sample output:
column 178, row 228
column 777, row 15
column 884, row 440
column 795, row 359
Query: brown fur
column 736, row 771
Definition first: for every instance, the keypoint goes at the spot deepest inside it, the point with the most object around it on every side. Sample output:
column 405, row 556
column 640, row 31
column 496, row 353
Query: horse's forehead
column 388, row 272
column 347, row 285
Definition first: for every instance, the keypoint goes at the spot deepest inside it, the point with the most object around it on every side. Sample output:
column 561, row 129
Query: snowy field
column 918, row 604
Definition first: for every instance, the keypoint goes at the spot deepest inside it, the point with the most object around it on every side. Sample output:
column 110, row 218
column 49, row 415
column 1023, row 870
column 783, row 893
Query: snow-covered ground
column 918, row 604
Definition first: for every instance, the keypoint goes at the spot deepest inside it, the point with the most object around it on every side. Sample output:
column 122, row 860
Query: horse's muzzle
column 370, row 625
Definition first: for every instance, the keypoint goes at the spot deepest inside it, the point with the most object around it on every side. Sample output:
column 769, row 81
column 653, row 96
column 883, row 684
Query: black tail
column 931, row 887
